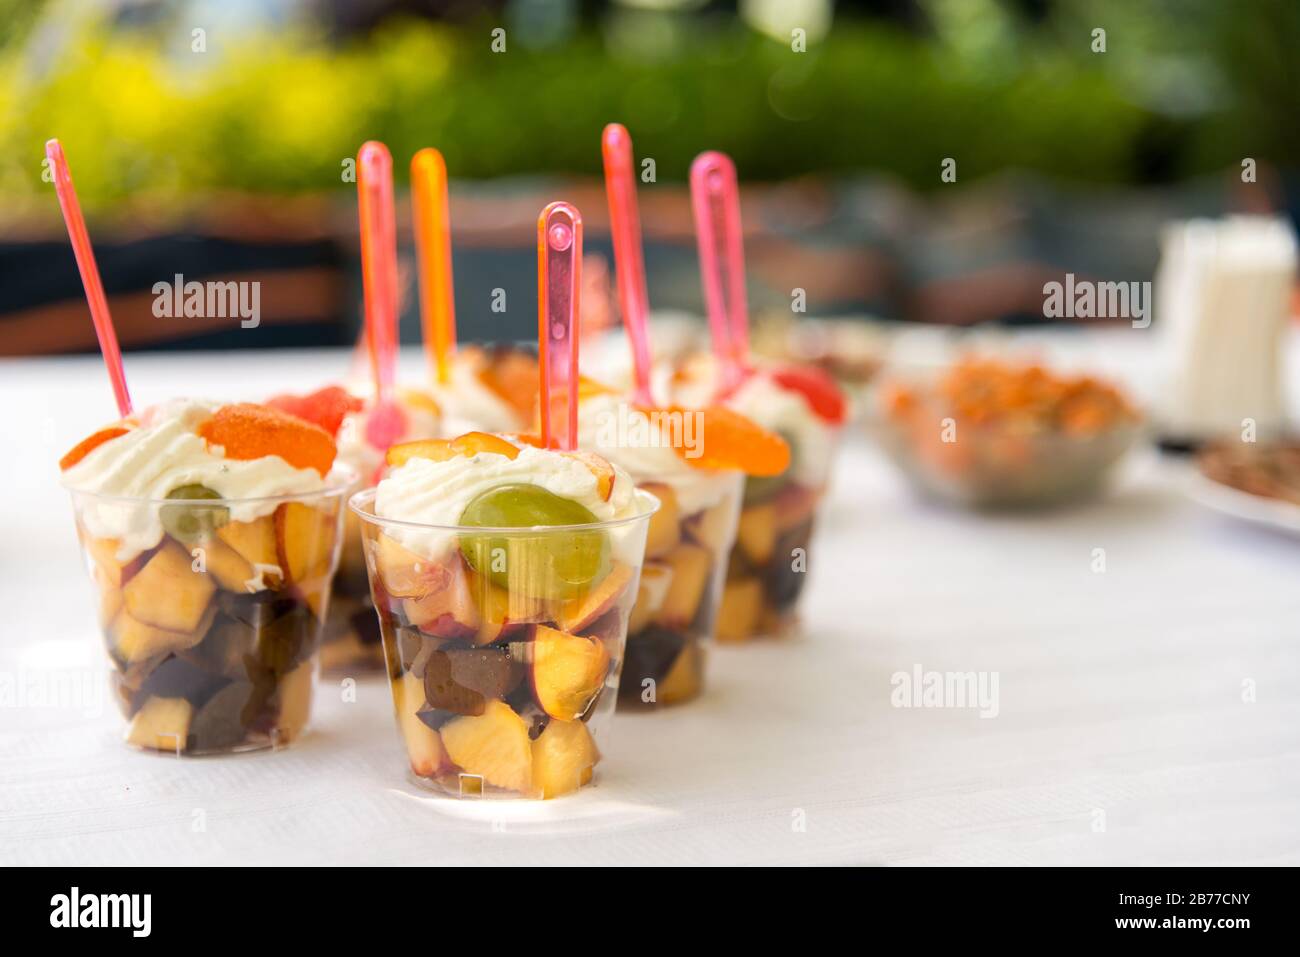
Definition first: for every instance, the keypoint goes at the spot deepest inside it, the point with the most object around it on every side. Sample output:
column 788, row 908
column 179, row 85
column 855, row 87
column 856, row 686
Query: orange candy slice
column 729, row 440
column 89, row 444
column 249, row 431
column 439, row 450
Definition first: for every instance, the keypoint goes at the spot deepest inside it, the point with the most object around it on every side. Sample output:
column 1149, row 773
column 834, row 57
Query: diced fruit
column 254, row 541
column 649, row 655
column 601, row 469
column 89, row 444
column 223, row 649
column 493, row 745
column 501, row 612
column 423, row 744
column 134, row 640
column 167, row 592
column 304, row 541
column 295, row 702
column 217, row 725
column 761, row 488
column 248, row 431
column 448, row 612
column 756, row 533
column 564, row 756
column 440, row 450
column 231, row 570
column 683, row 680
column 715, row 527
column 728, row 440
column 163, row 724
column 794, row 506
column 548, row 565
column 650, row 595
column 742, row 601
column 326, row 407
column 817, row 386
column 665, row 524
column 691, row 566
column 104, row 553
column 512, row 375
column 177, row 677
column 463, row 680
column 110, row 600
column 577, row 613
column 192, row 523
column 568, row 672
column 783, row 579
column 406, row 574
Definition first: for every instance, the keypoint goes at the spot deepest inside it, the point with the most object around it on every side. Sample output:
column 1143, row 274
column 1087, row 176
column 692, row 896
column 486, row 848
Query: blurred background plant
column 176, row 113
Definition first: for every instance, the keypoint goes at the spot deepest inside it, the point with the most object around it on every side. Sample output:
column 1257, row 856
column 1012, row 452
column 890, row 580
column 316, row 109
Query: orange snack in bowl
column 249, row 431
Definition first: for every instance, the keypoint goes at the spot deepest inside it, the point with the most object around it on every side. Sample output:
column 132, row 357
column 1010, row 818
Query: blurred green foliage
column 142, row 114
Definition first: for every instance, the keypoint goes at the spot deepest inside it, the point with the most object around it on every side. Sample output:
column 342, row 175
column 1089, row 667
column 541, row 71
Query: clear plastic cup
column 687, row 551
column 768, row 567
column 350, row 643
column 504, row 646
column 211, row 611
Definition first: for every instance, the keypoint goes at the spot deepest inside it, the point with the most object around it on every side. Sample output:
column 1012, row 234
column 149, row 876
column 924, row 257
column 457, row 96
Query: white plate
column 1256, row 509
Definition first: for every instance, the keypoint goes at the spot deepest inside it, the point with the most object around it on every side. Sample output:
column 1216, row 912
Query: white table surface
column 1122, row 736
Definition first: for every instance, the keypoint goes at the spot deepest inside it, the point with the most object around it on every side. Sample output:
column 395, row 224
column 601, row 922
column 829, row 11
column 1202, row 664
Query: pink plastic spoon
column 386, row 423
column 715, row 200
column 95, row 297
column 629, row 259
column 559, row 277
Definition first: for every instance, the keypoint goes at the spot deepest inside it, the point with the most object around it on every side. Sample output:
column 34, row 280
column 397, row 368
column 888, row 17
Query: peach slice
column 600, row 468
column 89, row 444
column 683, row 679
column 440, row 450
column 665, row 524
column 104, row 553
column 715, row 527
column 448, row 612
column 568, row 672
column 691, row 566
column 577, row 613
column 136, row 641
column 493, row 745
column 564, row 756
column 295, row 702
column 231, row 570
column 167, row 593
column 423, row 744
column 254, row 541
column 163, row 724
column 742, row 602
column 652, row 589
column 502, row 611
column 304, row 539
column 756, row 533
column 405, row 574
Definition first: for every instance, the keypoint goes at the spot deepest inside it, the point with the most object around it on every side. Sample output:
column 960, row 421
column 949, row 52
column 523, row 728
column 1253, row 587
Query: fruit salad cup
column 350, row 643
column 211, row 605
column 504, row 630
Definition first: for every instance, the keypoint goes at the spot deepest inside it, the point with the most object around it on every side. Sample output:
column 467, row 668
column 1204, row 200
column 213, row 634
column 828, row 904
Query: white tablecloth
column 1126, row 728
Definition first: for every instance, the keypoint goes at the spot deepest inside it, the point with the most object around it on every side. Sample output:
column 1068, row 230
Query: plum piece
column 365, row 625
column 564, row 757
column 167, row 593
column 577, row 613
column 794, row 507
column 568, row 672
column 782, row 583
column 177, row 678
column 217, row 725
column 665, row 524
column 161, row 724
column 256, row 609
column 742, row 602
column 462, row 681
column 494, row 746
column 223, row 648
column 649, row 655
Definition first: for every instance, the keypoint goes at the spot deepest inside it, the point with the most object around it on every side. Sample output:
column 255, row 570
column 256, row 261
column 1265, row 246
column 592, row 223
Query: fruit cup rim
column 362, row 504
column 340, row 480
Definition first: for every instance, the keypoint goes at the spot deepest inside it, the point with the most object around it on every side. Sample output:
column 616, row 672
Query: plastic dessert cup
column 504, row 663
column 350, row 641
column 768, row 566
column 680, row 589
column 212, row 633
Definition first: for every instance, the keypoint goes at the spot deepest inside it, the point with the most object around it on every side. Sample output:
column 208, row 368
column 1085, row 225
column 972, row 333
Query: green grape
column 759, row 488
column 192, row 523
column 547, row 566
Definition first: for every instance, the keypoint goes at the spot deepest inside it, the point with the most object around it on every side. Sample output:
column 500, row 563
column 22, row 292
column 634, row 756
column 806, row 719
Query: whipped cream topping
column 630, row 438
column 436, row 493
column 470, row 406
column 788, row 412
column 163, row 453
column 357, row 453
